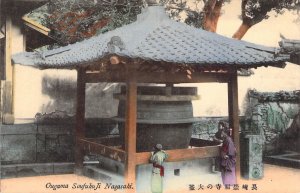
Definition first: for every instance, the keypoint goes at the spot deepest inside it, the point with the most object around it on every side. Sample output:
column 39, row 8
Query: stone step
column 102, row 174
column 35, row 169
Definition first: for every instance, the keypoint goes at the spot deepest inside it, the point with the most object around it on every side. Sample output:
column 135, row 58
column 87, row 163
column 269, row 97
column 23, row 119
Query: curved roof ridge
column 154, row 36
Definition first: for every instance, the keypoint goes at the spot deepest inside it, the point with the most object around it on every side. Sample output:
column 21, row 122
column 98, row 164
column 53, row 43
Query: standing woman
column 215, row 167
column 228, row 159
column 157, row 158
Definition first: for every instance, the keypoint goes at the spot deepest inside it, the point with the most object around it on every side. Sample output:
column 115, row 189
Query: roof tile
column 156, row 37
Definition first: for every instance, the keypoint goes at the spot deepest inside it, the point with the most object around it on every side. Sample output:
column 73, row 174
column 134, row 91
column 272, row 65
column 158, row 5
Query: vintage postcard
column 148, row 96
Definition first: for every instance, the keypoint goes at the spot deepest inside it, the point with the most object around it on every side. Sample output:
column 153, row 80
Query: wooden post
column 7, row 100
column 130, row 129
column 233, row 111
column 80, row 120
column 8, row 47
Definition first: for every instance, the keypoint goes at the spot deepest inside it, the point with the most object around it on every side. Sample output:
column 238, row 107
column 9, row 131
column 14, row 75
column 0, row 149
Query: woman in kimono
column 218, row 139
column 228, row 159
column 157, row 158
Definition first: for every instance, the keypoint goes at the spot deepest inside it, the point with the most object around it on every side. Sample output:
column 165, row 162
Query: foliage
column 254, row 11
column 74, row 20
column 191, row 12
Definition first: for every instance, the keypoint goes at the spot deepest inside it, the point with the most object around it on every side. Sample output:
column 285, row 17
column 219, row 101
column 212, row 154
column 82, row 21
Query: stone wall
column 270, row 115
column 33, row 143
column 45, row 146
column 31, row 149
column 46, row 141
column 52, row 140
column 206, row 127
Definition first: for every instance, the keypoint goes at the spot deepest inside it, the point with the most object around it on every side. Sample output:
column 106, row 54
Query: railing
column 111, row 148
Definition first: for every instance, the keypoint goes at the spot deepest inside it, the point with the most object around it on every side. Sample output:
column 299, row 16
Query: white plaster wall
column 214, row 96
column 29, row 99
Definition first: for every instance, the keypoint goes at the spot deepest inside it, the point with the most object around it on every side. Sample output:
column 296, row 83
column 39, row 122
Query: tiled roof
column 156, row 37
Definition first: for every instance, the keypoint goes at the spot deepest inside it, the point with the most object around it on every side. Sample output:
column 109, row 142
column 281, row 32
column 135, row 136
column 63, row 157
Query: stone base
column 36, row 169
column 102, row 175
column 78, row 171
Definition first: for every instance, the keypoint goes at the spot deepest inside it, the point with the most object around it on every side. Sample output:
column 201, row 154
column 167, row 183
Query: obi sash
column 161, row 168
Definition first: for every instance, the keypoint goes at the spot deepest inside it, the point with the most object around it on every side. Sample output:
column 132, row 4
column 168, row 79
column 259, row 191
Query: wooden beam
column 157, row 77
column 160, row 97
column 36, row 26
column 89, row 146
column 114, row 60
column 182, row 154
column 80, row 120
column 233, row 112
column 130, row 128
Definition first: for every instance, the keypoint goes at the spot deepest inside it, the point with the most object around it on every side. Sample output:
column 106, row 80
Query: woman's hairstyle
column 222, row 123
column 158, row 147
column 227, row 131
column 225, row 126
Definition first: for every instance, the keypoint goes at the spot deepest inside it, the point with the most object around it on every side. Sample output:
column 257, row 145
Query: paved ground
column 276, row 180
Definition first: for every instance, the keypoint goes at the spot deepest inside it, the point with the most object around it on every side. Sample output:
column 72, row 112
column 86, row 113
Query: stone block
column 102, row 175
column 52, row 142
column 44, row 157
column 36, row 169
column 8, row 171
column 253, row 170
column 54, row 148
column 40, row 142
column 111, row 165
column 65, row 153
column 66, row 140
column 18, row 129
column 52, row 156
column 62, row 128
column 63, row 168
column 17, row 148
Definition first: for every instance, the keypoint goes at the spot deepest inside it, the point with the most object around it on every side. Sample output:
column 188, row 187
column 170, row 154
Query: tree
column 74, row 20
column 252, row 12
column 204, row 14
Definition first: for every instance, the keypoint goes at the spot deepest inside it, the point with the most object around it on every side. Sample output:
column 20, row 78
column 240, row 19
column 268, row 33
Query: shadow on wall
column 62, row 94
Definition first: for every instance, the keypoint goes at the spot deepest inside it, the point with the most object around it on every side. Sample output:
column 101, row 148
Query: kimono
column 228, row 164
column 157, row 158
column 216, row 160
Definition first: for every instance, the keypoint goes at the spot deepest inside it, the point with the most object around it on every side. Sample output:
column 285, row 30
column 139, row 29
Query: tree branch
column 212, row 12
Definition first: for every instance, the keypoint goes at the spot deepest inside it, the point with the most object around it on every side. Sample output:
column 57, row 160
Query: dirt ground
column 276, row 180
